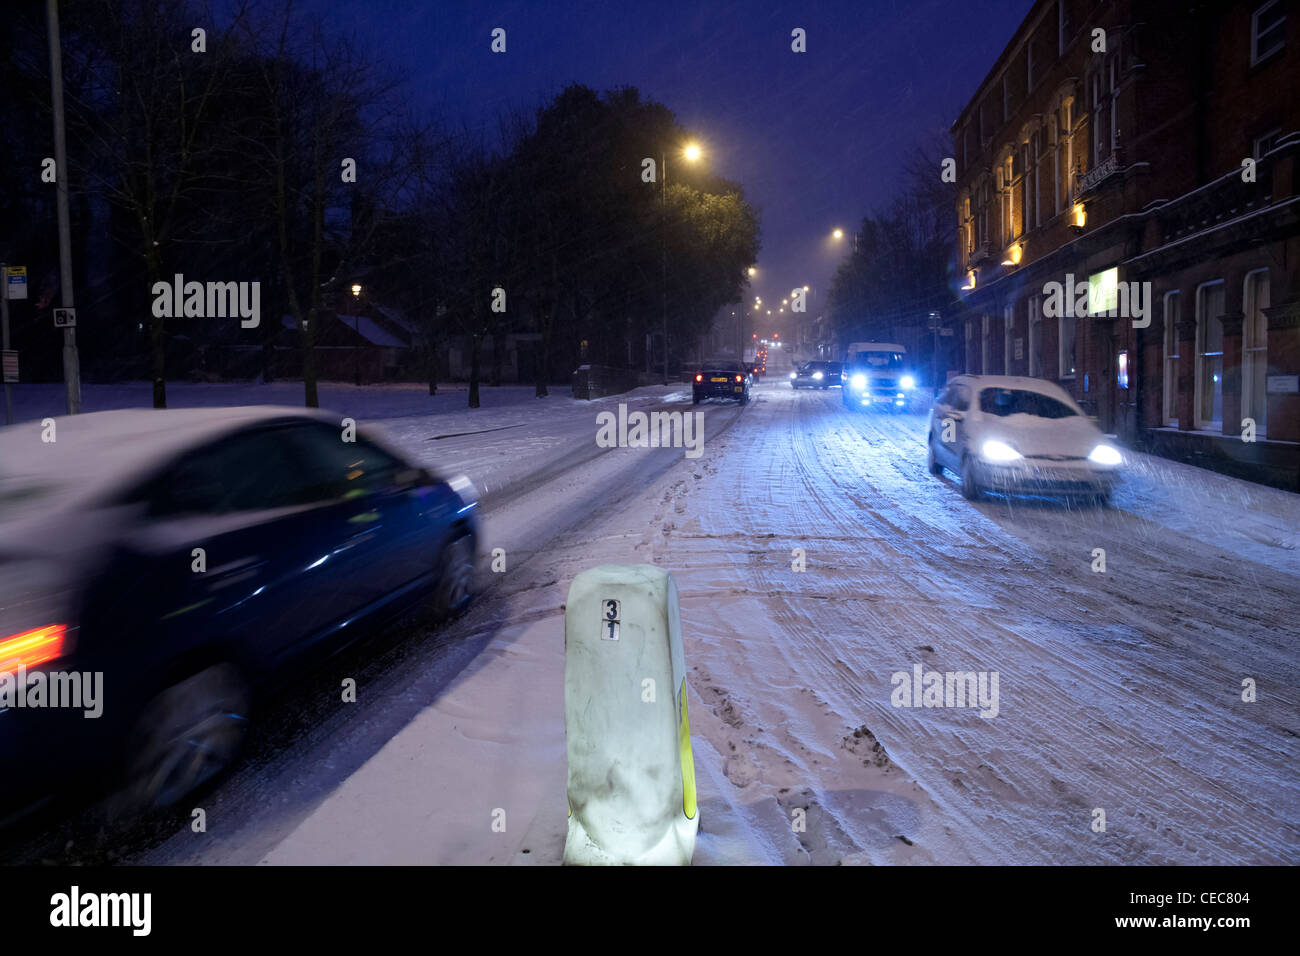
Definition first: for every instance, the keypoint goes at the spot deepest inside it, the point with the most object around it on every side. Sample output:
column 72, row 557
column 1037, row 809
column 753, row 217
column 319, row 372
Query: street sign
column 945, row 331
column 65, row 318
column 9, row 365
column 16, row 282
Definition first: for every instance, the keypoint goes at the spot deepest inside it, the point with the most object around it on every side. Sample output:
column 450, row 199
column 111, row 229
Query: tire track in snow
column 1009, row 585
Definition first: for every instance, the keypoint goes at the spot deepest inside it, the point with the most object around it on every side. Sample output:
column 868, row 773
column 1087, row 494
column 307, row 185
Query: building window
column 1113, row 73
column 1254, row 350
column 1008, row 333
column 984, row 345
column 1105, row 97
column 1267, row 31
column 1067, row 133
column 1095, row 88
column 1065, row 344
column 1036, row 154
column 1265, row 142
column 1170, row 410
column 1056, row 167
column 1026, row 186
column 1009, row 201
column 1209, row 354
column 1035, row 337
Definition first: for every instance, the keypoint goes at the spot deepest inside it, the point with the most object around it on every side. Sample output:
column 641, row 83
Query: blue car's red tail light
column 31, row 648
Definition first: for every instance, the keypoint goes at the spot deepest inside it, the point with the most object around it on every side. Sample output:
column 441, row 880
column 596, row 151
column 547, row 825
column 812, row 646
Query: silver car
column 1010, row 434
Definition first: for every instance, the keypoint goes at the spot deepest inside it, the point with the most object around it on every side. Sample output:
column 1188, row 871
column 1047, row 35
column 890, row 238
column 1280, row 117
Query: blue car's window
column 249, row 472
column 332, row 468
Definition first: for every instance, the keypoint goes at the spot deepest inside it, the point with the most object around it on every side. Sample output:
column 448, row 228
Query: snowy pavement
column 1119, row 690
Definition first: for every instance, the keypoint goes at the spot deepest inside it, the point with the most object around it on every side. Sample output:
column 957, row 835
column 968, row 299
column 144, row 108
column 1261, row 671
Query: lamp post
column 934, row 354
column 356, row 325
column 691, row 153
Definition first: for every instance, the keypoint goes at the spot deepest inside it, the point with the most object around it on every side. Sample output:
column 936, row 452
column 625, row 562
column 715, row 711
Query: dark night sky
column 816, row 139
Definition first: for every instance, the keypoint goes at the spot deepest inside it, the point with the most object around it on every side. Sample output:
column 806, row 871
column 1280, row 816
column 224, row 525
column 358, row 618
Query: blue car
column 161, row 569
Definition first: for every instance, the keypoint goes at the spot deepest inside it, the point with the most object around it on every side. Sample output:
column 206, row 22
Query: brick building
column 1152, row 148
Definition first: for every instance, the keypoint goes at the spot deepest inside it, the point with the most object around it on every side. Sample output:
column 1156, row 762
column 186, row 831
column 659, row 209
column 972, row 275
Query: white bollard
column 631, row 774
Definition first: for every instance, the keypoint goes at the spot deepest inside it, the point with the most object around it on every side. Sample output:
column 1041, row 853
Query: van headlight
column 908, row 382
column 999, row 451
column 858, row 381
column 1105, row 455
column 817, row 376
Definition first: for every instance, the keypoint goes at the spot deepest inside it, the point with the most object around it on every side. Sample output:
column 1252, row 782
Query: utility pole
column 71, row 363
column 4, row 336
column 663, row 168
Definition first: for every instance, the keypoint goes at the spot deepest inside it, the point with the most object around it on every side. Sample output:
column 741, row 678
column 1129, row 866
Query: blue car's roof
column 95, row 452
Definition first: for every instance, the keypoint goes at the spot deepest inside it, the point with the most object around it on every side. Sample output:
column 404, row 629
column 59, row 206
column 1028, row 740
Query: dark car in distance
column 722, row 378
column 191, row 558
column 816, row 375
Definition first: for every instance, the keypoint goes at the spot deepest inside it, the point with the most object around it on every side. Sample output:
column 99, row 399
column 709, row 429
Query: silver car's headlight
column 999, row 451
column 1105, row 455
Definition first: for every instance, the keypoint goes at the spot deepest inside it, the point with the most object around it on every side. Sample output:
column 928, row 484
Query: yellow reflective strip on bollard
column 688, row 761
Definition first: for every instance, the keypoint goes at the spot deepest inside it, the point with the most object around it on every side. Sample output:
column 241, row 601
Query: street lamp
column 356, row 325
column 837, row 234
column 691, row 153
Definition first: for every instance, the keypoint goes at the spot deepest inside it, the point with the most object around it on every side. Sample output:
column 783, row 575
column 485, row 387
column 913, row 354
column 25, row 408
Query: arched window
column 1209, row 354
column 1254, row 350
column 1170, row 397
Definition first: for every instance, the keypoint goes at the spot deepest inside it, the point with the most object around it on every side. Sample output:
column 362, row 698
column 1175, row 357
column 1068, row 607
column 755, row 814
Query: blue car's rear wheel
column 184, row 737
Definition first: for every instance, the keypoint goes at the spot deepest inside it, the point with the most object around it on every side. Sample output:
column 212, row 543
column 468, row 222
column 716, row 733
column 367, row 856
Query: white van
column 877, row 375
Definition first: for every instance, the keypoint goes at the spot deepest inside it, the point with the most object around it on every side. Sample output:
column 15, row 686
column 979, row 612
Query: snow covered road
column 1119, row 692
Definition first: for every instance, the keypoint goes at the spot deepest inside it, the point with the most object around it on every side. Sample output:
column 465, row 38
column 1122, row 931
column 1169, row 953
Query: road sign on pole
column 9, row 365
column 65, row 318
column 16, row 281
